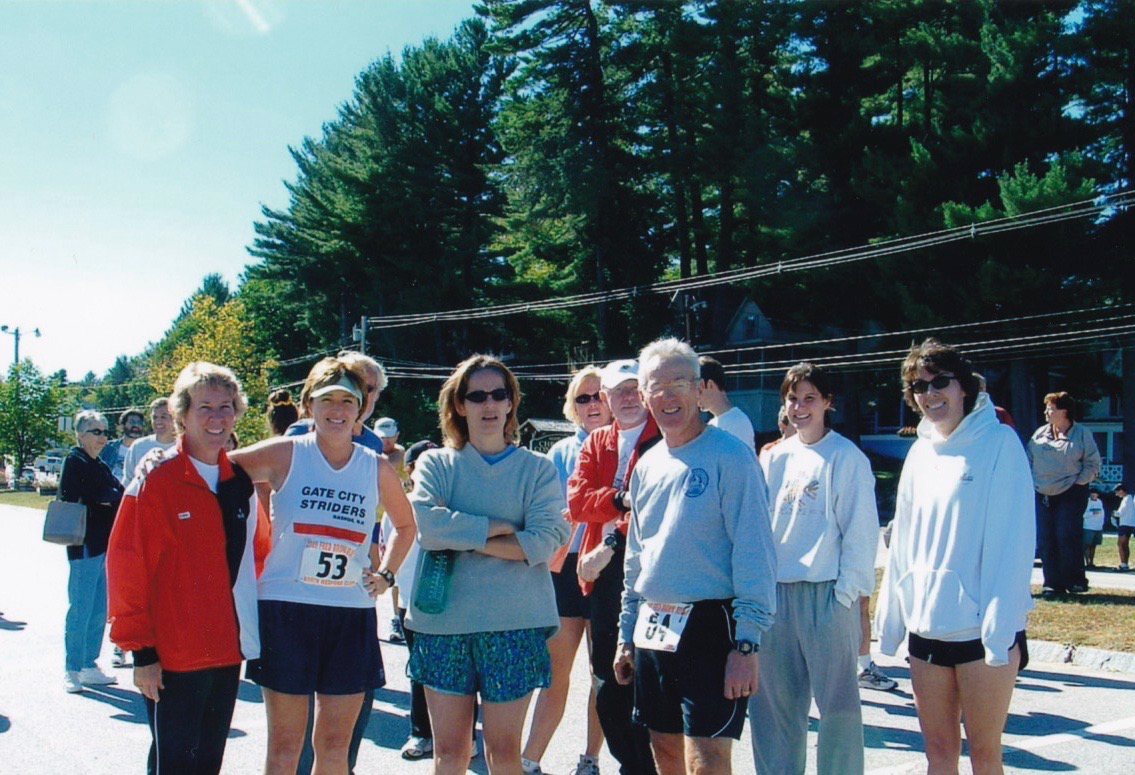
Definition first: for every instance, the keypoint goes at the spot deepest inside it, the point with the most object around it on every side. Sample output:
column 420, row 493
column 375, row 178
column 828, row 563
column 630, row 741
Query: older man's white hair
column 666, row 349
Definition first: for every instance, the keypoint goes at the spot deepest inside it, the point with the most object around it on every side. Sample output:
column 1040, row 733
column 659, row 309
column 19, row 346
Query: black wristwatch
column 746, row 647
column 619, row 494
column 611, row 541
column 387, row 576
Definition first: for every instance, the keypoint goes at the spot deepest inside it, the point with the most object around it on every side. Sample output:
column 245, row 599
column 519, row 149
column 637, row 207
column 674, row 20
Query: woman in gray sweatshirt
column 496, row 511
column 1064, row 460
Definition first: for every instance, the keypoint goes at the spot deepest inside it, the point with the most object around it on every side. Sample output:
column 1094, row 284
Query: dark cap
column 415, row 450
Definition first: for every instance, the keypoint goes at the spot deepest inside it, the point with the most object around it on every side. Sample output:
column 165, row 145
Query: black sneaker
column 1078, row 589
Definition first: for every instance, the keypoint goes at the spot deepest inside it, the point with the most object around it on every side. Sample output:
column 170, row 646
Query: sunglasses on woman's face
column 96, row 431
column 586, row 398
column 941, row 382
column 481, row 396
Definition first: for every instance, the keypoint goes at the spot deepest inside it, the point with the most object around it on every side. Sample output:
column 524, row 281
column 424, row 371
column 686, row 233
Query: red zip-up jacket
column 591, row 492
column 180, row 568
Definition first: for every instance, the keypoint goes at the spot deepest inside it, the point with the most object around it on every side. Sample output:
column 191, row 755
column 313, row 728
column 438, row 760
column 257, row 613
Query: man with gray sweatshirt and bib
column 700, row 575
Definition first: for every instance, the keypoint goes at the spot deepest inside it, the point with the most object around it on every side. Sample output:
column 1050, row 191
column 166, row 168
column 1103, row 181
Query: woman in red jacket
column 181, row 547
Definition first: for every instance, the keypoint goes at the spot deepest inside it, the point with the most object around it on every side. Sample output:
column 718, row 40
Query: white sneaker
column 874, row 678
column 530, row 767
column 92, row 676
column 417, row 748
column 71, row 682
column 588, row 765
column 118, row 658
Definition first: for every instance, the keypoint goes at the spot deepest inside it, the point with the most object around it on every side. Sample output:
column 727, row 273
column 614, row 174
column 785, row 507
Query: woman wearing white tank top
column 316, row 588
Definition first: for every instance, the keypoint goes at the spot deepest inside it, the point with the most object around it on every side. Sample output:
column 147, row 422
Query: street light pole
column 16, row 334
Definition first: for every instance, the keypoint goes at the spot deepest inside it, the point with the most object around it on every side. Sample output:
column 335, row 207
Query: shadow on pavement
column 1027, row 760
column 388, row 730
column 1064, row 679
column 5, row 724
column 250, row 692
column 9, row 624
column 892, row 739
column 127, row 701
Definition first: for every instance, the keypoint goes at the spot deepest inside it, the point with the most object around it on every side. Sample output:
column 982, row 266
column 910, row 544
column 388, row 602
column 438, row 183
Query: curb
column 1082, row 656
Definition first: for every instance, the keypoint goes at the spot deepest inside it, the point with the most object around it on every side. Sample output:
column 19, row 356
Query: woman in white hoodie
column 957, row 580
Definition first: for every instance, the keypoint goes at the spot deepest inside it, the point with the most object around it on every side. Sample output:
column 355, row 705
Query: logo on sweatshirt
column 183, row 515
column 696, row 482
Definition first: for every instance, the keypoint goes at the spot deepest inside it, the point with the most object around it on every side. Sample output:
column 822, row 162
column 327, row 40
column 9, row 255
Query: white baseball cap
column 618, row 372
column 386, row 427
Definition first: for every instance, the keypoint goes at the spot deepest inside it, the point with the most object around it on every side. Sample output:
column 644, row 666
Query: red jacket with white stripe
column 181, row 568
column 592, row 496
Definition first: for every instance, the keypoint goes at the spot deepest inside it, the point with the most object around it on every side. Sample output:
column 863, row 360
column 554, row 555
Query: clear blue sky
column 138, row 141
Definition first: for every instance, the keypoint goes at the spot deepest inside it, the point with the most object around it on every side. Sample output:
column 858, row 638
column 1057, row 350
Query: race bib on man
column 660, row 625
column 330, row 564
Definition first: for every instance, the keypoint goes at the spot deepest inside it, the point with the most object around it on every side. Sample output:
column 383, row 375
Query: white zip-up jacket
column 962, row 544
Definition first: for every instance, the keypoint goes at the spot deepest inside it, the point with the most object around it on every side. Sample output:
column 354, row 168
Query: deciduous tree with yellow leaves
column 221, row 334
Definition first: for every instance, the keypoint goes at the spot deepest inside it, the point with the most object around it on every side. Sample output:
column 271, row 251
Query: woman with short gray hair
column 88, row 480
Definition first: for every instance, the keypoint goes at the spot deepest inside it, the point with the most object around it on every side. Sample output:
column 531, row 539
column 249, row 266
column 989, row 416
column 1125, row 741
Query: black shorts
column 1125, row 531
column 683, row 692
column 317, row 648
column 946, row 653
column 569, row 597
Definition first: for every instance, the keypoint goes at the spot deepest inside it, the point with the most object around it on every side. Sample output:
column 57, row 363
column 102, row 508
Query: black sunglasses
column 586, row 398
column 941, row 382
column 96, row 432
column 481, row 396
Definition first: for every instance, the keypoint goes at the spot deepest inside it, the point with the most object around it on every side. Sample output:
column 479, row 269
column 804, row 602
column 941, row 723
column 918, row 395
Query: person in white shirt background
column 1125, row 520
column 715, row 400
column 1093, row 528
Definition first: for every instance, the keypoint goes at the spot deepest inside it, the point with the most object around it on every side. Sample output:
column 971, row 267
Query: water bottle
column 432, row 584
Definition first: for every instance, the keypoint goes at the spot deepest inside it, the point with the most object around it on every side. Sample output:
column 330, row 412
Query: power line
column 1057, row 214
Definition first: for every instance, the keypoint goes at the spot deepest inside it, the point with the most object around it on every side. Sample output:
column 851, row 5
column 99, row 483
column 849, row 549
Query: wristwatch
column 387, row 576
column 746, row 647
column 611, row 541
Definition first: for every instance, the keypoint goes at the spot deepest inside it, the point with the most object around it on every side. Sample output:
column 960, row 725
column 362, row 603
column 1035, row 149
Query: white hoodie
column 963, row 538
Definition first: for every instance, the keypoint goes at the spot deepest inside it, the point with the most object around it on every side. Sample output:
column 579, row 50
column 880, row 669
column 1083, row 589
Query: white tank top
column 322, row 522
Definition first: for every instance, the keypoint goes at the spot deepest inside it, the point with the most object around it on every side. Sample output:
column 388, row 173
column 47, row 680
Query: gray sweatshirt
column 455, row 495
column 1059, row 463
column 700, row 530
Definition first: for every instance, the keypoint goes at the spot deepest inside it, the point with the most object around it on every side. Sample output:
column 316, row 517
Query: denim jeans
column 1060, row 536
column 86, row 617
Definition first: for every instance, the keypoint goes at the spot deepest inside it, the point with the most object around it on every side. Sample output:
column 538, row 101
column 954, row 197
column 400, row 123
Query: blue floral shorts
column 502, row 666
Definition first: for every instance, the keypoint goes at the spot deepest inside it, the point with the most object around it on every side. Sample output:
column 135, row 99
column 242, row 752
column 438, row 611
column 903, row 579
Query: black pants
column 628, row 742
column 190, row 722
column 419, row 713
column 1060, row 536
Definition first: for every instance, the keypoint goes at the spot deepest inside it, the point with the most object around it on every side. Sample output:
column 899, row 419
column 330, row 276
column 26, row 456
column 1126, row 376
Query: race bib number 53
column 330, row 564
column 660, row 625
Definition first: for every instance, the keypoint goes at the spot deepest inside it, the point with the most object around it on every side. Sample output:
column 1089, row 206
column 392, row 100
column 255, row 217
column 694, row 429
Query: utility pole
column 16, row 333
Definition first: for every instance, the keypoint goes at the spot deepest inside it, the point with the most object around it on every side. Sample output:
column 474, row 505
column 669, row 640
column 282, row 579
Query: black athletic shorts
column 946, row 653
column 569, row 597
column 317, row 648
column 683, row 692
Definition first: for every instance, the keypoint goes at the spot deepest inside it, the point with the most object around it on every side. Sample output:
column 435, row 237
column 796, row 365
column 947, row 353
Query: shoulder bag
column 66, row 523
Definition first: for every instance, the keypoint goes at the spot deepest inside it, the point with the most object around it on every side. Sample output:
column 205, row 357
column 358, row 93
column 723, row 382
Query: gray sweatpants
column 810, row 650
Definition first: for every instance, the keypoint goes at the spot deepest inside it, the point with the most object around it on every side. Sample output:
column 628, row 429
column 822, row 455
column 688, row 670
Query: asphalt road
column 1062, row 719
